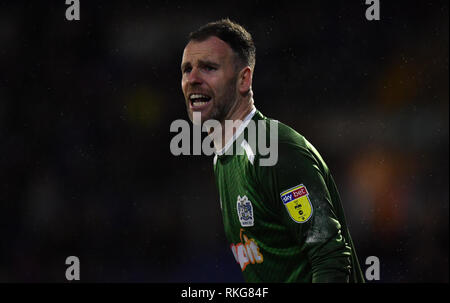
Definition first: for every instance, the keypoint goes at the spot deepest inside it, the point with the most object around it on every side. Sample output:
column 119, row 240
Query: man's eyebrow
column 207, row 62
column 200, row 63
column 183, row 66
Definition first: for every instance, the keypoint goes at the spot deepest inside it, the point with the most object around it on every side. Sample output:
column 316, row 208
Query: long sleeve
column 299, row 182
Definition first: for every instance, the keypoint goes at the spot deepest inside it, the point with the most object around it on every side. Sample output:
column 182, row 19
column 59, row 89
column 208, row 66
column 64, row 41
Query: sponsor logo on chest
column 247, row 251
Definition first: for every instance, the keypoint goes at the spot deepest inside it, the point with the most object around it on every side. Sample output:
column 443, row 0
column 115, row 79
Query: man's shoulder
column 292, row 145
column 287, row 137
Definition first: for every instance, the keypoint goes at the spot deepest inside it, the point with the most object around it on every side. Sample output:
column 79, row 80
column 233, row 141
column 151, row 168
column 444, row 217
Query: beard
column 222, row 104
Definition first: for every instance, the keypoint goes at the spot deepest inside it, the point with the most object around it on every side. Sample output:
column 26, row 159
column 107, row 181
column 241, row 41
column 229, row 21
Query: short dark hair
column 236, row 36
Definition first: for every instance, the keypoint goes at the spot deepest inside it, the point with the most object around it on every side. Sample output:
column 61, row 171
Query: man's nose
column 194, row 77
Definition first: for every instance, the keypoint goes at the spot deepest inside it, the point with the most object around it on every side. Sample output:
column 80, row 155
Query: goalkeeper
column 284, row 222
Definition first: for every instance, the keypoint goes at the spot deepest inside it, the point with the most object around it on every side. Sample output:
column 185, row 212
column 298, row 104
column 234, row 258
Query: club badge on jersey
column 245, row 211
column 297, row 203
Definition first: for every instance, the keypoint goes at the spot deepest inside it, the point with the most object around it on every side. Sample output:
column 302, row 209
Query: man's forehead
column 211, row 48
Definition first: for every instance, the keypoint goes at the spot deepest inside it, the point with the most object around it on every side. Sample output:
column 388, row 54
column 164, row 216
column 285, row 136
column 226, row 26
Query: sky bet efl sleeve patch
column 297, row 203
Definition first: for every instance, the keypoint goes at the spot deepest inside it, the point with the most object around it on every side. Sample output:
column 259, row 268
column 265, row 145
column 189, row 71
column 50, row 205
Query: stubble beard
column 222, row 105
column 225, row 103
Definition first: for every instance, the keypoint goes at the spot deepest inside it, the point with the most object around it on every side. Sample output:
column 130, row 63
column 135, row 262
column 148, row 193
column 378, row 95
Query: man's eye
column 187, row 70
column 210, row 68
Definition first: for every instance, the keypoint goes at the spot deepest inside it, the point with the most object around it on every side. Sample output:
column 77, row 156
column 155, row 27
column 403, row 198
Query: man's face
column 209, row 78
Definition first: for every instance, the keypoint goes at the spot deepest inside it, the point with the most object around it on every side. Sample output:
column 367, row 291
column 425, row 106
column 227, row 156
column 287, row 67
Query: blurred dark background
column 85, row 110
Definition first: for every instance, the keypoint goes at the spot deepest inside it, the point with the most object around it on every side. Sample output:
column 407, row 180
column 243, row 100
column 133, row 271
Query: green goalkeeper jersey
column 284, row 222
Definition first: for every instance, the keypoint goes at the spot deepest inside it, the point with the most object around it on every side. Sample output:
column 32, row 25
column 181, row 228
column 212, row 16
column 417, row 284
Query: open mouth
column 199, row 100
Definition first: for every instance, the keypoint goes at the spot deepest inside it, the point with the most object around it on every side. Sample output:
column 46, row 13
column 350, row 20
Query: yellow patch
column 297, row 203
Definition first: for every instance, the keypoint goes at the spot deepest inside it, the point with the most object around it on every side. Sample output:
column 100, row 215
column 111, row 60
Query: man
column 285, row 222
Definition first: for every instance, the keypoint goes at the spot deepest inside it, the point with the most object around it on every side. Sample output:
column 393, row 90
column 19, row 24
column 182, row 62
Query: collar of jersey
column 238, row 132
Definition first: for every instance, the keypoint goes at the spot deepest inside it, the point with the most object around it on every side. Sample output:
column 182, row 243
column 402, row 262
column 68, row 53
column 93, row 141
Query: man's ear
column 245, row 80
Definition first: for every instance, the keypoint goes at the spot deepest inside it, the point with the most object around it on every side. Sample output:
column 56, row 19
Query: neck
column 235, row 119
